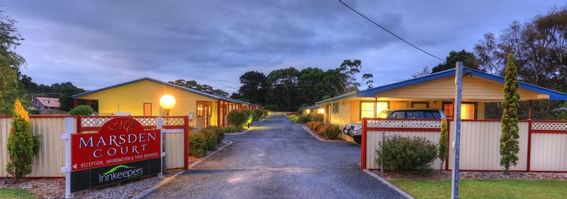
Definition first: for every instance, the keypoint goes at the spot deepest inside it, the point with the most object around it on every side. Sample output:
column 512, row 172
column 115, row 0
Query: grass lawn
column 423, row 188
column 16, row 193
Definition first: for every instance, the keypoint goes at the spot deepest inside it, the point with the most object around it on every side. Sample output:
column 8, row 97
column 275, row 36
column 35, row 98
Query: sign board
column 122, row 150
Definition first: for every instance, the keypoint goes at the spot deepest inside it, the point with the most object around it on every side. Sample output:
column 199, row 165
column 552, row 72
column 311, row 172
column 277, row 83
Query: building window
column 200, row 110
column 372, row 109
column 468, row 110
column 335, row 107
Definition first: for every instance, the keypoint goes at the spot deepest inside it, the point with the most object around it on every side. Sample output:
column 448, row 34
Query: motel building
column 434, row 91
column 141, row 97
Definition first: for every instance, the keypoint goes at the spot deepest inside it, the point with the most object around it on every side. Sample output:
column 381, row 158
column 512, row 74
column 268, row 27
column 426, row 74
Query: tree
column 509, row 145
column 443, row 148
column 22, row 145
column 192, row 84
column 283, row 91
column 539, row 47
column 468, row 59
column 424, row 71
column 253, row 87
column 368, row 79
column 10, row 63
column 65, row 90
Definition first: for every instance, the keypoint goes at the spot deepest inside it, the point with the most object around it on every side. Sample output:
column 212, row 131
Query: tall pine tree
column 509, row 137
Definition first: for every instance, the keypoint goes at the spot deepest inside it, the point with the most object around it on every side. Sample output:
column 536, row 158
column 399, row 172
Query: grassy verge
column 16, row 193
column 423, row 188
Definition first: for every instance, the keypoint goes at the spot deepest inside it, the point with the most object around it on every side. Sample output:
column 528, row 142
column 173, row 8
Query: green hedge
column 206, row 139
column 237, row 118
column 82, row 110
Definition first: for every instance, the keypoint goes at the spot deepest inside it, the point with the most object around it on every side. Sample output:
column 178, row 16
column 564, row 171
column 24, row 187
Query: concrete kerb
column 317, row 137
column 390, row 185
column 239, row 133
column 171, row 178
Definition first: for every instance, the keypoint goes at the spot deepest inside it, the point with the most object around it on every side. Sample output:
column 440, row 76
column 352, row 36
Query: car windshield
column 384, row 114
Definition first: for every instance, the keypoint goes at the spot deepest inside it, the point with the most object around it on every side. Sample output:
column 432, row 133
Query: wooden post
column 363, row 144
column 530, row 110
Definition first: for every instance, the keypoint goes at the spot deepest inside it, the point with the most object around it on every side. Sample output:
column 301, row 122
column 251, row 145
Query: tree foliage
column 539, row 47
column 22, row 145
column 443, row 146
column 289, row 88
column 468, row 59
column 63, row 91
column 10, row 62
column 192, row 84
column 509, row 145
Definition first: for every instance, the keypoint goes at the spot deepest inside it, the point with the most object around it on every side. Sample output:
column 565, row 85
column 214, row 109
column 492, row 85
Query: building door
column 203, row 114
column 147, row 109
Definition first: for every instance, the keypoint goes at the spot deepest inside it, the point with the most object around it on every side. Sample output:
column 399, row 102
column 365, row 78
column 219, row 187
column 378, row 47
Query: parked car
column 354, row 130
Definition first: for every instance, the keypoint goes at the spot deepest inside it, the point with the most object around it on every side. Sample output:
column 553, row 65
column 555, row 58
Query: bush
column 260, row 114
column 302, row 119
column 233, row 129
column 219, row 133
column 22, row 145
column 332, row 132
column 237, row 118
column 321, row 128
column 310, row 124
column 198, row 144
column 211, row 138
column 406, row 154
column 317, row 117
column 249, row 116
column 293, row 118
column 82, row 110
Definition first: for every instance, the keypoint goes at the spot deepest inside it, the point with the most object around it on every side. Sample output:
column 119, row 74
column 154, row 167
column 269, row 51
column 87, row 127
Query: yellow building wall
column 131, row 97
column 474, row 89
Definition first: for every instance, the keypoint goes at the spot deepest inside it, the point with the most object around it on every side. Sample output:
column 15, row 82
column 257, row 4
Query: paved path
column 278, row 159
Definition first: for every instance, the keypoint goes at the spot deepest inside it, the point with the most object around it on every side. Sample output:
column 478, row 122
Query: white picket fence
column 543, row 144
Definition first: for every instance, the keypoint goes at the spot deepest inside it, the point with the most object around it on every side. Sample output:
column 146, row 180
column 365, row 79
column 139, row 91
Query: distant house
column 45, row 103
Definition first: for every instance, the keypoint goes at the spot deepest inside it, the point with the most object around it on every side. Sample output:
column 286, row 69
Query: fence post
column 363, row 145
column 186, row 142
column 448, row 158
column 382, row 159
column 528, row 167
column 67, row 168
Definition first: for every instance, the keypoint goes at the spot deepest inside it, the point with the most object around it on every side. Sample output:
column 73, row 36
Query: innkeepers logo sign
column 122, row 150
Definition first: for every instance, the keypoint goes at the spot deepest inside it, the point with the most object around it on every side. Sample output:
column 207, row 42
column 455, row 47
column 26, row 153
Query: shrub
column 260, row 114
column 237, row 118
column 211, row 138
column 82, row 110
column 233, row 129
column 406, row 154
column 198, row 144
column 219, row 133
column 302, row 119
column 321, row 128
column 22, row 145
column 317, row 117
column 249, row 116
column 293, row 118
column 316, row 126
column 310, row 124
column 443, row 145
column 332, row 132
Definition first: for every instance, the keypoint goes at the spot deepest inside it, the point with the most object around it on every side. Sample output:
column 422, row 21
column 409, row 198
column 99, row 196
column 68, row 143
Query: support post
column 529, row 162
column 457, row 116
column 186, row 142
column 159, row 125
column 69, row 122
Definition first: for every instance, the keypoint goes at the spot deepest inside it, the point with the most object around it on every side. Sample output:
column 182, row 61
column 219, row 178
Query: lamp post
column 166, row 102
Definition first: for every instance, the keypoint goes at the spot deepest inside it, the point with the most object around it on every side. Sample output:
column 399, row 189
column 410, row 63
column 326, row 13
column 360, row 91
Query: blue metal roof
column 553, row 95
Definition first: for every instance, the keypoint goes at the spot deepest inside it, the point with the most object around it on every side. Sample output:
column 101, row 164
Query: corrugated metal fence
column 51, row 155
column 543, row 144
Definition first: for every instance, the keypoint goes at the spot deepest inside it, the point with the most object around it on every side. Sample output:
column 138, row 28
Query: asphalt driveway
column 278, row 159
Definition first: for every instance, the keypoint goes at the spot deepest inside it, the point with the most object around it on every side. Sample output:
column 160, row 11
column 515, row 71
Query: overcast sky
column 98, row 43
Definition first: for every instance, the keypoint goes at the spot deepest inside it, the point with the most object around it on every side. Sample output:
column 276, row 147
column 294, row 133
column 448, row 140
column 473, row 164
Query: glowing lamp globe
column 167, row 101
